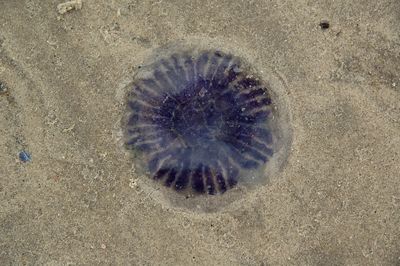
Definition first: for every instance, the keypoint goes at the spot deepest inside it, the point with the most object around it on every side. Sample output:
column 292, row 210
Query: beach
column 71, row 195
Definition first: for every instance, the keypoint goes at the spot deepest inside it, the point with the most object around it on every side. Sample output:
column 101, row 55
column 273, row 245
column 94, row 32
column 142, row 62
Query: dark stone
column 324, row 24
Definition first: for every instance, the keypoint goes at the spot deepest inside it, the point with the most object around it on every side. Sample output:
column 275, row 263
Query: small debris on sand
column 68, row 6
column 3, row 88
column 24, row 156
column 68, row 129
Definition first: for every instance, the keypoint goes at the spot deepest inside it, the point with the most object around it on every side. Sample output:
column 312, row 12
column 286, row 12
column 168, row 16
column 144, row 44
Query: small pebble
column 3, row 87
column 68, row 6
column 24, row 156
column 324, row 24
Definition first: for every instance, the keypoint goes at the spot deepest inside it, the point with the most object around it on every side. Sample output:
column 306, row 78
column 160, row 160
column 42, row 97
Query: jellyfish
column 200, row 122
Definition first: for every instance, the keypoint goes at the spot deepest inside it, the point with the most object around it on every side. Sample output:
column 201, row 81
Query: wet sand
column 78, row 201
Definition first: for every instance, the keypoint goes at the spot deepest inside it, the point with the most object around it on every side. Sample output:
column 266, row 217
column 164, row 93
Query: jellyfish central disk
column 200, row 122
column 196, row 121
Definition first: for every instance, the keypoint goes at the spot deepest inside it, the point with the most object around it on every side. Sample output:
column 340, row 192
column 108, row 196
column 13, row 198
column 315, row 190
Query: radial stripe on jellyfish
column 200, row 122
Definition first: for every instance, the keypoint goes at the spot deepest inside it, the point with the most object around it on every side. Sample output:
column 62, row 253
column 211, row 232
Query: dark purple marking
column 200, row 122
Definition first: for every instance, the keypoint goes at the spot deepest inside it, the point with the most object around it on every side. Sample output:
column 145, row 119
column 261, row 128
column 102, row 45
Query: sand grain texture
column 336, row 202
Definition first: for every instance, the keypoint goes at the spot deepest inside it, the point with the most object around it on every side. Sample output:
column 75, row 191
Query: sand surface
column 80, row 202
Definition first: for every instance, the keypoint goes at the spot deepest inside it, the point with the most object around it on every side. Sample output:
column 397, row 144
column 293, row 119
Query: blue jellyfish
column 199, row 122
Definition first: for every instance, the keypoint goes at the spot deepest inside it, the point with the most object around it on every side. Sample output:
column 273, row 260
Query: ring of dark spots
column 200, row 122
column 324, row 24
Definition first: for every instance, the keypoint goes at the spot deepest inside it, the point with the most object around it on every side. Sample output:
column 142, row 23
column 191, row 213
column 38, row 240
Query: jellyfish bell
column 203, row 124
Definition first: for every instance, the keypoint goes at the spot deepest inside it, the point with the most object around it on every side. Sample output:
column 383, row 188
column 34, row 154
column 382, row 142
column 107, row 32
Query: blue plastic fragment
column 24, row 156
